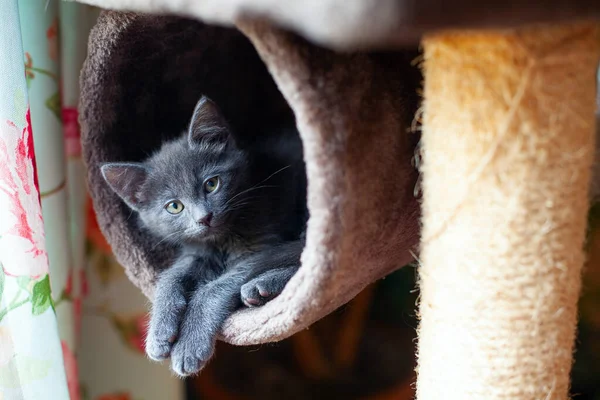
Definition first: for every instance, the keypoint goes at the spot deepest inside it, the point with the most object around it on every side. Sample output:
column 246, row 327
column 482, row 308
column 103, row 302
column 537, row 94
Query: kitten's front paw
column 158, row 350
column 193, row 349
column 164, row 326
column 265, row 287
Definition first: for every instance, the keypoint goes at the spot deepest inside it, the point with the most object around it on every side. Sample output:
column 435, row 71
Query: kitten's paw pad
column 158, row 350
column 259, row 291
column 190, row 358
column 266, row 286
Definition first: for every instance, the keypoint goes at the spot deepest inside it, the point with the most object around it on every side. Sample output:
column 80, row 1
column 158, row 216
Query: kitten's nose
column 206, row 219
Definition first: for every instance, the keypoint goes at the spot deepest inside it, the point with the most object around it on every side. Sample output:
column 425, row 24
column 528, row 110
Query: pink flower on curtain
column 71, row 370
column 19, row 196
column 29, row 74
column 30, row 154
column 52, row 36
column 71, row 129
column 77, row 316
column 69, row 285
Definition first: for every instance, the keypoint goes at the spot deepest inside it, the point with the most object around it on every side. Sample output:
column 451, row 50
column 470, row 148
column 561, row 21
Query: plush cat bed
column 140, row 82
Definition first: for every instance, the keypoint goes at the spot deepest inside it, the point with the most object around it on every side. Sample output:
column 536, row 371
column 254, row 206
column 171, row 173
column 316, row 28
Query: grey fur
column 277, row 265
column 250, row 245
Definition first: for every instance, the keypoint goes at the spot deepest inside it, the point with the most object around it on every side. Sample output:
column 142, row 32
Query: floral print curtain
column 31, row 351
column 49, row 241
column 42, row 72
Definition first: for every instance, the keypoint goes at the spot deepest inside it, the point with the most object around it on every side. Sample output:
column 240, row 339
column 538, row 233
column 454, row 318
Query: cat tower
column 506, row 151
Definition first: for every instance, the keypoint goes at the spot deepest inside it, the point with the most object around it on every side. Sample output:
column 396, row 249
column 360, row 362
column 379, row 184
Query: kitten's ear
column 208, row 125
column 126, row 180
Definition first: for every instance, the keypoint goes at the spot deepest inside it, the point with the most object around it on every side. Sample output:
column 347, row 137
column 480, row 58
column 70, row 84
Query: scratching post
column 508, row 144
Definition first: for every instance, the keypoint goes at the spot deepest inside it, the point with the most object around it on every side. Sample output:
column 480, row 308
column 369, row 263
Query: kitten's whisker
column 248, row 190
column 130, row 215
column 236, row 207
column 239, row 203
column 274, row 173
column 167, row 237
column 246, row 199
column 231, row 210
column 259, row 183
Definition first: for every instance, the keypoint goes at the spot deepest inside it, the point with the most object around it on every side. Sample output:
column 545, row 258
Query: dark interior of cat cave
column 159, row 69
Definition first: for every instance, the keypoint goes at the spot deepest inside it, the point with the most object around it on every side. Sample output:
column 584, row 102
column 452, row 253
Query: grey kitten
column 237, row 215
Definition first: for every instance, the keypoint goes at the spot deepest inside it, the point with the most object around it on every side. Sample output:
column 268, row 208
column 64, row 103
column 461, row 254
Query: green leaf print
column 22, row 370
column 41, row 298
column 30, row 70
column 20, row 108
column 23, row 282
column 53, row 104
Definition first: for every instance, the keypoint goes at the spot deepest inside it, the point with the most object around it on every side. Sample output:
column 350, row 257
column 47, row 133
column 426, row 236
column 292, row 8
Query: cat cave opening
column 140, row 84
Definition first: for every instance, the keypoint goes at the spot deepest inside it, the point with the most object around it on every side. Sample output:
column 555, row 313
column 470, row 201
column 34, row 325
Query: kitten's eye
column 212, row 184
column 174, row 207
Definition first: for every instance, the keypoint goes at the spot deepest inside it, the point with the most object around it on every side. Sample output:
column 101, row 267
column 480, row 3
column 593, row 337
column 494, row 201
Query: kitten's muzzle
column 205, row 220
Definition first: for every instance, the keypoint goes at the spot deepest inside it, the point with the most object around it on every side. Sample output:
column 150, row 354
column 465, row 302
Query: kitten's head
column 186, row 192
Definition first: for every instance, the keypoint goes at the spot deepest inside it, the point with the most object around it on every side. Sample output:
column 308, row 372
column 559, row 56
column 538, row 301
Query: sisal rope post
column 508, row 139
